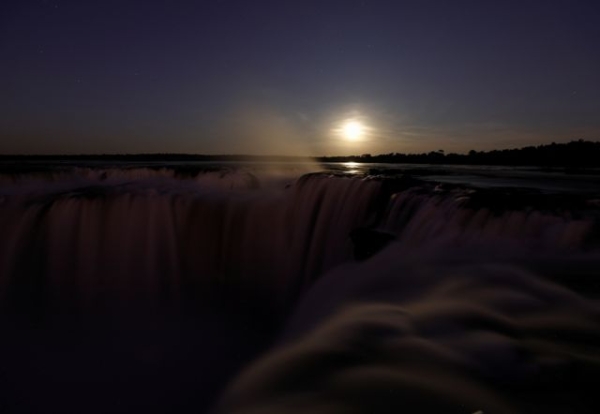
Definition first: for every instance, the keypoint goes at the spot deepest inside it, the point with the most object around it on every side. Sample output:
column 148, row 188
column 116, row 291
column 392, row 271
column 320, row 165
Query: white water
column 439, row 318
column 138, row 238
column 452, row 334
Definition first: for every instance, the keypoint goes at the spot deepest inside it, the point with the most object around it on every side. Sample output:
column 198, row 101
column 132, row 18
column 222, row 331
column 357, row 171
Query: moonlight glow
column 353, row 130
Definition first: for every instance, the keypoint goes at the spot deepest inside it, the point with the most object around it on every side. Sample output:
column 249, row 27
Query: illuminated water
column 286, row 287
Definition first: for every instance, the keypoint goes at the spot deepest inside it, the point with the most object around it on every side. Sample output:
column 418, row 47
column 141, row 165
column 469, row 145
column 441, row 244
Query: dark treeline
column 574, row 154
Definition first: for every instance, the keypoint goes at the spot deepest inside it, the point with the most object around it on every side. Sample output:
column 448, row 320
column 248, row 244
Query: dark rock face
column 368, row 242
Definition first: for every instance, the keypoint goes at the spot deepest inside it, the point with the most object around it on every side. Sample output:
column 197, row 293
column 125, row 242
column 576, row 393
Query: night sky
column 282, row 77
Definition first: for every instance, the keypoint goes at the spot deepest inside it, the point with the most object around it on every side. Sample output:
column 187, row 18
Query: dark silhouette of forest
column 575, row 154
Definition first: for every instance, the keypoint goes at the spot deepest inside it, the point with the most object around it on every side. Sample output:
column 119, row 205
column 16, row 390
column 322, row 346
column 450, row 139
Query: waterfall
column 189, row 274
column 151, row 235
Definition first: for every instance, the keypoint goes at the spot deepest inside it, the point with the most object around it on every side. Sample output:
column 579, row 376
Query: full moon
column 353, row 130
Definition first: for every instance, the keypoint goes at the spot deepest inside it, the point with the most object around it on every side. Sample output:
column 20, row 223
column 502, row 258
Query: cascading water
column 171, row 258
column 151, row 239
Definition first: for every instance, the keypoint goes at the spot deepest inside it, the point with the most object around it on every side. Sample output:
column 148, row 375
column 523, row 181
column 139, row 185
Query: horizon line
column 241, row 155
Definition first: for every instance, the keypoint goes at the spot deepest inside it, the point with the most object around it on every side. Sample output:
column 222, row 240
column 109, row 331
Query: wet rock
column 368, row 242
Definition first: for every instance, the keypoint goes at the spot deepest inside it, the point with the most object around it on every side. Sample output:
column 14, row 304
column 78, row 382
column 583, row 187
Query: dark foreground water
column 289, row 288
